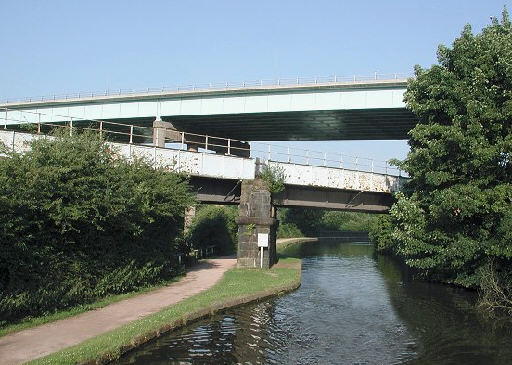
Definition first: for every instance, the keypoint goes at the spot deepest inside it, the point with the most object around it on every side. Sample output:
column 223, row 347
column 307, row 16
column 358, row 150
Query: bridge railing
column 262, row 83
column 135, row 134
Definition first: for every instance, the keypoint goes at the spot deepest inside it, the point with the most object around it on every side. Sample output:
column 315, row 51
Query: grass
column 238, row 286
column 61, row 314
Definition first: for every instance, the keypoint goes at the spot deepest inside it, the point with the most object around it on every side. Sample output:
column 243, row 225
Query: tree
column 79, row 222
column 455, row 213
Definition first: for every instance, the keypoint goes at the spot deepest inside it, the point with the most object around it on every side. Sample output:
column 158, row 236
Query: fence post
column 357, row 163
column 5, row 120
column 206, row 143
column 131, row 134
column 70, row 126
column 182, row 140
column 269, row 155
column 289, row 157
column 38, row 123
column 101, row 128
column 229, row 146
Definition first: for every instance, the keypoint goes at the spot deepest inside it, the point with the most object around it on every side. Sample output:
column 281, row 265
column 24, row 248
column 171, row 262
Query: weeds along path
column 39, row 341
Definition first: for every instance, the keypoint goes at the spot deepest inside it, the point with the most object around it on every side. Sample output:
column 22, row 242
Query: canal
column 354, row 307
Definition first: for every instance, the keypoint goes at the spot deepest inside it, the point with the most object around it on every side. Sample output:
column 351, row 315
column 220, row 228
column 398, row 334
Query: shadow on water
column 445, row 321
column 354, row 307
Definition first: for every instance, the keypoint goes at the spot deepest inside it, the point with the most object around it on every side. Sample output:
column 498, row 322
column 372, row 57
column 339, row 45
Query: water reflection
column 353, row 308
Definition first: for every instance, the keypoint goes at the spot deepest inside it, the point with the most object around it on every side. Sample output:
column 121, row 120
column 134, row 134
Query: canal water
column 354, row 307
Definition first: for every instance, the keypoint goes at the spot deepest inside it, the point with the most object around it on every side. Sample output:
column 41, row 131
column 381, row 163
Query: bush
column 496, row 289
column 380, row 233
column 214, row 225
column 79, row 222
column 288, row 230
column 347, row 221
column 273, row 177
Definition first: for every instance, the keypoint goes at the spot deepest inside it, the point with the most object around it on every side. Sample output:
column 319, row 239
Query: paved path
column 39, row 341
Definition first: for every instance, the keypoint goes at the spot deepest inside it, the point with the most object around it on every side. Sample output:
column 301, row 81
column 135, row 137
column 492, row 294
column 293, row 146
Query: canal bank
column 354, row 306
column 237, row 287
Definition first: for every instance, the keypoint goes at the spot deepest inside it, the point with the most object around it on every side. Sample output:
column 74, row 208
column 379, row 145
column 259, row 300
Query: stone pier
column 256, row 220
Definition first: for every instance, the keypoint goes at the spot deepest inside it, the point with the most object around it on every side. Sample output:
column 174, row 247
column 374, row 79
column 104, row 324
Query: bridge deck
column 326, row 111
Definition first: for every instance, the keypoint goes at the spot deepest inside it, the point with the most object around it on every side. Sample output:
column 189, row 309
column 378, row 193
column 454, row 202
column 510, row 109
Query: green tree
column 214, row 225
column 80, row 222
column 455, row 212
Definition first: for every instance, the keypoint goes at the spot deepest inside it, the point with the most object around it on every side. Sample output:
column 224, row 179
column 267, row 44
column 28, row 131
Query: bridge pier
column 256, row 224
column 166, row 132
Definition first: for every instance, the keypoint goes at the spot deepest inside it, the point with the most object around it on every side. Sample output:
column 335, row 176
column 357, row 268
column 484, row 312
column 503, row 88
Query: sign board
column 262, row 239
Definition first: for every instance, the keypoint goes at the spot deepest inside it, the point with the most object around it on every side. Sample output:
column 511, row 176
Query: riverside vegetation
column 79, row 223
column 453, row 220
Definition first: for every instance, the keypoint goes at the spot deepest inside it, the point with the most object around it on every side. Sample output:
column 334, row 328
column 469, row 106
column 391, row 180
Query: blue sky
column 52, row 47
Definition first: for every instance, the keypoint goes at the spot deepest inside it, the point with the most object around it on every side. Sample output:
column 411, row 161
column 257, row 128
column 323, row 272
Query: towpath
column 39, row 341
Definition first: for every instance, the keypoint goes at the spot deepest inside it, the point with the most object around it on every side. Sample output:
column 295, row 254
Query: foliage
column 495, row 291
column 347, row 221
column 380, row 231
column 455, row 212
column 298, row 222
column 307, row 220
column 79, row 222
column 30, row 322
column 214, row 225
column 273, row 177
column 288, row 230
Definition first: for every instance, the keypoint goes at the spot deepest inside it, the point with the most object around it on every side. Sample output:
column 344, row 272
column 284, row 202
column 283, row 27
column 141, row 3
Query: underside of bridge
column 320, row 125
column 224, row 191
column 364, row 124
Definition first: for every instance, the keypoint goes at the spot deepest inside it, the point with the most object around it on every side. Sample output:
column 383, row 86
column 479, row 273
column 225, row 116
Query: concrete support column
column 164, row 132
column 255, row 216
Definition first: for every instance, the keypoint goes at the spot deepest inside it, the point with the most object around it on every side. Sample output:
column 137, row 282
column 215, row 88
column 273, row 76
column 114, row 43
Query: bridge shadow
column 207, row 264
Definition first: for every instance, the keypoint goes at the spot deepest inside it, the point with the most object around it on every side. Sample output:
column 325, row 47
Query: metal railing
column 136, row 134
column 220, row 86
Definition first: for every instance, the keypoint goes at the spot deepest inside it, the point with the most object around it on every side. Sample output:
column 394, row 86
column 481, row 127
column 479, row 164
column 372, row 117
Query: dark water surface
column 353, row 308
